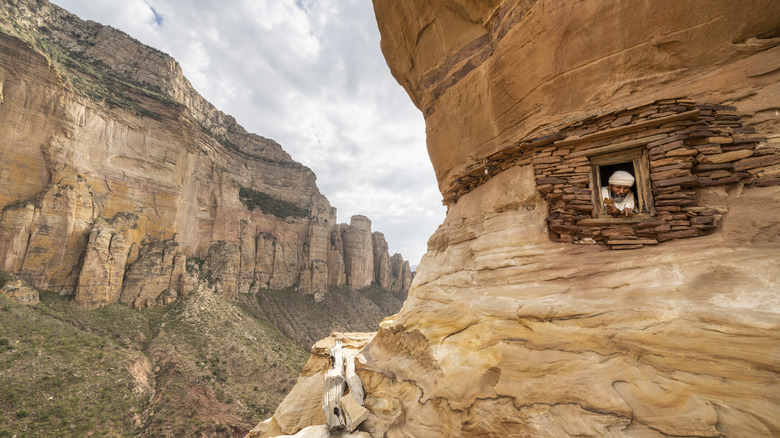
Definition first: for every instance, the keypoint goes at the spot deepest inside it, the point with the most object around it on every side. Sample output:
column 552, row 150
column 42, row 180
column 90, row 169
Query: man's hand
column 628, row 212
column 612, row 209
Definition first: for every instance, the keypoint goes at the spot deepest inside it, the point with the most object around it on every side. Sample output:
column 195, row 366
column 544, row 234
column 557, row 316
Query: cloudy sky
column 310, row 75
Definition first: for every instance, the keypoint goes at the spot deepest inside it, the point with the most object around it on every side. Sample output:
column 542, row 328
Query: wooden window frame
column 639, row 158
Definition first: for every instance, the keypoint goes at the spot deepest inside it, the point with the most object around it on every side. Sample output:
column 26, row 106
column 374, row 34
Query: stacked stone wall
column 685, row 146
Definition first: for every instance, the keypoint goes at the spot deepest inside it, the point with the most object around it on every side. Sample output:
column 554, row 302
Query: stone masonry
column 680, row 146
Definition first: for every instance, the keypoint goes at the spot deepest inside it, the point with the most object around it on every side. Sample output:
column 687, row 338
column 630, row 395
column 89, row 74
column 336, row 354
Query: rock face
column 522, row 321
column 100, row 280
column 115, row 171
column 401, row 277
column 359, row 260
column 20, row 292
column 157, row 276
column 458, row 61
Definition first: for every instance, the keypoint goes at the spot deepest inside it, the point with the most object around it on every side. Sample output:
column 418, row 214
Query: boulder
column 21, row 292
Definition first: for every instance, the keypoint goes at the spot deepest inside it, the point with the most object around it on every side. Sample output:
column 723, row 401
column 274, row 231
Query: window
column 634, row 161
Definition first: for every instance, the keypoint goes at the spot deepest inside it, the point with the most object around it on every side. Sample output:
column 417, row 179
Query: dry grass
column 202, row 365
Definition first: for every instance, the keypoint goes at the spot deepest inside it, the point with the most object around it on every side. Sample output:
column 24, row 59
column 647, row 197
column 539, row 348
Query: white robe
column 627, row 202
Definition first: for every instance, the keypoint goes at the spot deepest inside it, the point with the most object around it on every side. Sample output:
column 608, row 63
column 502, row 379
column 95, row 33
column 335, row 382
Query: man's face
column 619, row 192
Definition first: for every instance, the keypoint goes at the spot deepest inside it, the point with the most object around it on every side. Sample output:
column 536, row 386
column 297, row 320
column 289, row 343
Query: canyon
column 122, row 184
column 163, row 272
column 533, row 314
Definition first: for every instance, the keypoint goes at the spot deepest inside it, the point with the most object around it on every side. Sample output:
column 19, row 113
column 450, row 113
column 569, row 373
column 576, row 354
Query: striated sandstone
column 509, row 331
column 507, row 334
column 156, row 277
column 96, row 126
column 222, row 265
column 56, row 235
column 358, row 252
column 100, row 279
column 335, row 260
column 15, row 226
column 401, row 274
column 490, row 73
column 382, row 269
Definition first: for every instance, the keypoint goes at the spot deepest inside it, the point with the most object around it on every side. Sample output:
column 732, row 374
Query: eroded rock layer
column 518, row 322
column 508, row 334
column 488, row 74
column 115, row 171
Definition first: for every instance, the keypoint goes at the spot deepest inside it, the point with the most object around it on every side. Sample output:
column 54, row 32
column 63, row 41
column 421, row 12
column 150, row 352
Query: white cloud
column 310, row 75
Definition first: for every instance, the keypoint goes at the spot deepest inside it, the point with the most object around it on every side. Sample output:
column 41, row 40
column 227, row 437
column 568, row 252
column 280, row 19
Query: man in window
column 618, row 197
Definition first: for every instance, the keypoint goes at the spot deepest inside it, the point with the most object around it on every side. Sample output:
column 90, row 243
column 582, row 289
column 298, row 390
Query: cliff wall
column 491, row 73
column 116, row 173
column 506, row 333
column 533, row 314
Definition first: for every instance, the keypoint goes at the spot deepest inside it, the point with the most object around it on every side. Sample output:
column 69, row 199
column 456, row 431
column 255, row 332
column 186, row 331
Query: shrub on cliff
column 5, row 277
column 269, row 205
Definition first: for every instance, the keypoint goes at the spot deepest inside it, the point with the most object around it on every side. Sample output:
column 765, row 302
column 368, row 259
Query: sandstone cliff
column 532, row 313
column 116, row 173
column 491, row 73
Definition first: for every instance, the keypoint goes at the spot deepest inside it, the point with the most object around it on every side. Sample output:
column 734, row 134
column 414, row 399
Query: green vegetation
column 202, row 365
column 21, row 203
column 5, row 277
column 302, row 319
column 189, row 368
column 62, row 380
column 269, row 205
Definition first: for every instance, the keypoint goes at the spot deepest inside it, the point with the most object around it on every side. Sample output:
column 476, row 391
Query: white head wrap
column 621, row 178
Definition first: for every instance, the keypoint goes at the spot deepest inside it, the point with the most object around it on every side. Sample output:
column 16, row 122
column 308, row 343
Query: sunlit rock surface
column 489, row 73
column 508, row 334
column 109, row 153
column 20, row 292
column 505, row 334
